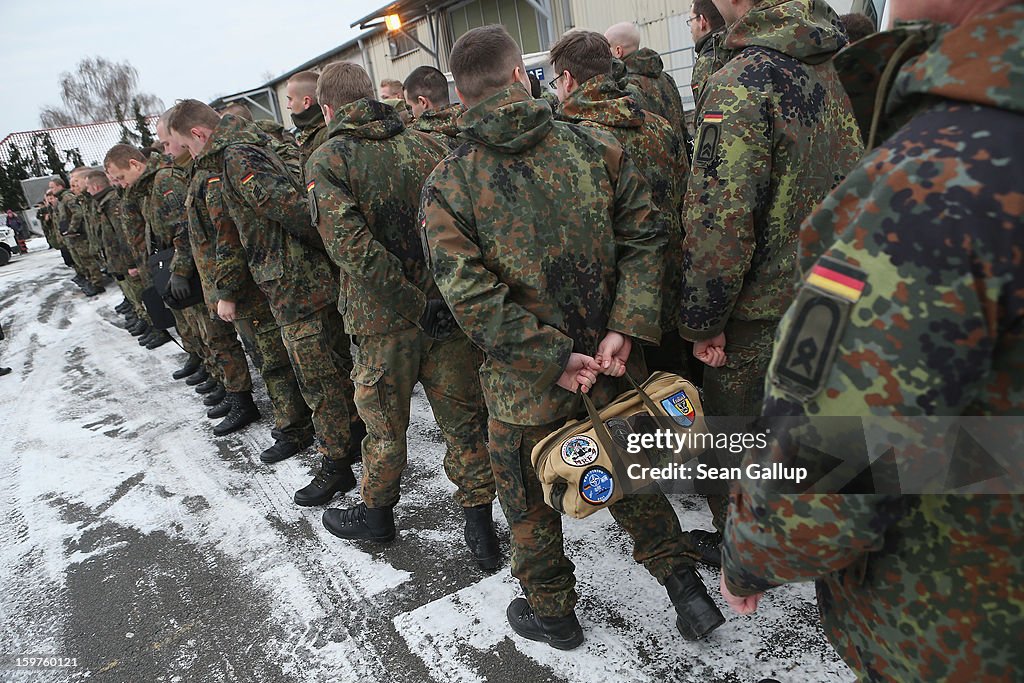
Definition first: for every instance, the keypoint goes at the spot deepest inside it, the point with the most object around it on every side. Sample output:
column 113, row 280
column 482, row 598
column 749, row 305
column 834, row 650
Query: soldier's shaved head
column 484, row 61
column 300, row 91
column 97, row 180
column 427, row 83
column 623, row 38
column 342, row 83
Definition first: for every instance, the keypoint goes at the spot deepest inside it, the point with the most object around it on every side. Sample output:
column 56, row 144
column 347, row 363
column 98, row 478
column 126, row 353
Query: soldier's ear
column 328, row 111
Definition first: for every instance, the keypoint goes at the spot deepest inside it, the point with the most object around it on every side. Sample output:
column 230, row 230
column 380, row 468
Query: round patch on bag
column 596, row 486
column 579, row 451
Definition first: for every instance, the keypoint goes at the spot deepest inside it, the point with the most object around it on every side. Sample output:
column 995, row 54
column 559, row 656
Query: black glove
column 179, row 287
column 437, row 321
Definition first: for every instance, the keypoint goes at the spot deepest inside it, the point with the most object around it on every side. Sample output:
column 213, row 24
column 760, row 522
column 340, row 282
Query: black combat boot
column 197, row 377
column 159, row 338
column 215, row 397
column 123, row 307
column 284, row 449
column 221, row 409
column 243, row 413
column 333, row 477
column 209, row 386
column 561, row 633
column 140, row 328
column 480, row 537
column 146, row 336
column 190, row 366
column 709, row 545
column 697, row 614
column 78, row 280
column 92, row 290
column 361, row 523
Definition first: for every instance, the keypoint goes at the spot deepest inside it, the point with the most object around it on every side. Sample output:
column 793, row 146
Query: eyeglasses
column 554, row 80
column 692, row 19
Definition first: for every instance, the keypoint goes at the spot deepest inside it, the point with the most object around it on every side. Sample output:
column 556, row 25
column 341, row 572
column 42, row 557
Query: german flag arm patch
column 838, row 279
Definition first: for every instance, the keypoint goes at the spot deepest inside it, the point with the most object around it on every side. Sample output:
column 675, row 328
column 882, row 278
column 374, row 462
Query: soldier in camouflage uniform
column 646, row 70
column 541, row 241
column 366, row 214
column 426, row 94
column 156, row 193
column 285, row 256
column 311, row 129
column 776, row 134
column 133, row 227
column 227, row 359
column 72, row 222
column 284, row 144
column 106, row 219
column 47, row 218
column 707, row 28
column 590, row 97
column 212, row 232
column 922, row 289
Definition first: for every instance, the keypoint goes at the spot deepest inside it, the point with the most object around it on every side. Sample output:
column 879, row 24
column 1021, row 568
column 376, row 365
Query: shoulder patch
column 255, row 189
column 707, row 143
column 807, row 349
column 314, row 211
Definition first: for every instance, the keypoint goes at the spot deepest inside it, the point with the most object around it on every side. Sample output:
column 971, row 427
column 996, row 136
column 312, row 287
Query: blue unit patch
column 679, row 408
column 596, row 486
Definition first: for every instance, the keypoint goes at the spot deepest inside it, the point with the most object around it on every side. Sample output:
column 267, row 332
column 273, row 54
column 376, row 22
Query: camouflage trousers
column 132, row 288
column 86, row 263
column 261, row 338
column 737, row 388
column 226, row 358
column 387, row 368
column 321, row 356
column 538, row 553
column 186, row 321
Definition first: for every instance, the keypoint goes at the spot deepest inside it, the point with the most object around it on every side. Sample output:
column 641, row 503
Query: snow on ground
column 137, row 543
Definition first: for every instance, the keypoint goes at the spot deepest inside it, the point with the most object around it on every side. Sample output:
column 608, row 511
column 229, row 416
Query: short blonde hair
column 342, row 83
column 189, row 114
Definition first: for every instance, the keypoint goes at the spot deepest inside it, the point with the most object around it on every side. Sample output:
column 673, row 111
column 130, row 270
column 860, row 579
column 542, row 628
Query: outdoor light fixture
column 394, row 22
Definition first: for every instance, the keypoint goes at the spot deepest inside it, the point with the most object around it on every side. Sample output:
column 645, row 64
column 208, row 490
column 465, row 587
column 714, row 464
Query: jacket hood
column 509, row 121
column 807, row 30
column 232, row 130
column 103, row 194
column 441, row 121
column 602, row 100
column 311, row 118
column 153, row 164
column 367, row 119
column 980, row 62
column 644, row 62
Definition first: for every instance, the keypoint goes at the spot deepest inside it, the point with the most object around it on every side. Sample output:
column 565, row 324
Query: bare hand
column 711, row 352
column 580, row 373
column 133, row 272
column 747, row 605
column 226, row 310
column 613, row 353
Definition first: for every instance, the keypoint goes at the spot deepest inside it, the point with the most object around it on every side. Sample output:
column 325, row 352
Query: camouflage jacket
column 87, row 205
column 310, row 131
column 646, row 70
column 776, row 135
column 656, row 149
column 159, row 195
column 70, row 217
column 269, row 236
column 711, row 57
column 109, row 232
column 401, row 108
column 284, row 145
column 366, row 210
column 914, row 310
column 541, row 240
column 621, row 77
column 442, row 125
column 133, row 227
